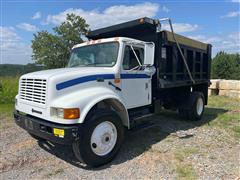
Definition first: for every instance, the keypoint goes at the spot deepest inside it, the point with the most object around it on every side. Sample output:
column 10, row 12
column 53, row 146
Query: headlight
column 69, row 113
column 60, row 112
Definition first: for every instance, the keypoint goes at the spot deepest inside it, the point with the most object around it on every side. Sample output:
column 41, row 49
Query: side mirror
column 149, row 50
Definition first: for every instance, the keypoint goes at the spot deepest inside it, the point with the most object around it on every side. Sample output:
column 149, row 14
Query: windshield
column 96, row 55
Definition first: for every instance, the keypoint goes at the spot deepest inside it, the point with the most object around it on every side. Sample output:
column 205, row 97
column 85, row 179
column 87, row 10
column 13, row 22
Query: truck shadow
column 140, row 140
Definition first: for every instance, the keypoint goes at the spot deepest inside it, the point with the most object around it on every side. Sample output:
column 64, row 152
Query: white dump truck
column 112, row 81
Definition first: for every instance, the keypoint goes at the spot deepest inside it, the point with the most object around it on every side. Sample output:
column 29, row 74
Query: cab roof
column 104, row 40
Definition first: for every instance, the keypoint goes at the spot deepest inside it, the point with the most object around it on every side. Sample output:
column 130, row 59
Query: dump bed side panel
column 172, row 71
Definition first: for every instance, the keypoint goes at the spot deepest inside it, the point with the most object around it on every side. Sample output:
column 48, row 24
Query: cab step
column 139, row 112
column 141, row 126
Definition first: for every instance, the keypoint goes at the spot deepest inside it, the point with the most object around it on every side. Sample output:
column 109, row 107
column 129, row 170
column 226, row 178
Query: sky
column 216, row 22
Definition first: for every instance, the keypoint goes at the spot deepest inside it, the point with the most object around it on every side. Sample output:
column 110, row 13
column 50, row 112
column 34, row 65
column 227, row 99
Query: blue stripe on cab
column 134, row 76
column 84, row 79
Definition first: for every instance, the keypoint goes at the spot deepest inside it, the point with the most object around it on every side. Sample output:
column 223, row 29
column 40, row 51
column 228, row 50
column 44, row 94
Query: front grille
column 33, row 90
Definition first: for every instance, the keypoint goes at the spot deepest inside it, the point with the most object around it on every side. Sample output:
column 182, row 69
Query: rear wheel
column 101, row 138
column 194, row 107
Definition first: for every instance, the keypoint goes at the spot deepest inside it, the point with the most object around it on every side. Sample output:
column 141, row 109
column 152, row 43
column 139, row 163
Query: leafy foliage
column 53, row 50
column 226, row 66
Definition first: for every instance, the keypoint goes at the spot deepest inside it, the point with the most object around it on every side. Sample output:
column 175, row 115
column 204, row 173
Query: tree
column 53, row 50
column 226, row 66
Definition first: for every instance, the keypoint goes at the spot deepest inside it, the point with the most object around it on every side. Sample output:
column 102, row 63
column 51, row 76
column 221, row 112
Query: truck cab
column 100, row 74
column 108, row 83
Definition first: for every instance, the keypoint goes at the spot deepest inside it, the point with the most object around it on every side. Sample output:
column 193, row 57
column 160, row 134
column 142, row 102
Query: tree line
column 226, row 66
column 18, row 69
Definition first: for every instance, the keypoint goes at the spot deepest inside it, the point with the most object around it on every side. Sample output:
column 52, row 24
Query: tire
column 194, row 107
column 95, row 147
column 36, row 137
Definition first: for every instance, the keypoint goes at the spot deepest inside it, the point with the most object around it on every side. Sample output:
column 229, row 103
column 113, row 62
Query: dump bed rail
column 186, row 41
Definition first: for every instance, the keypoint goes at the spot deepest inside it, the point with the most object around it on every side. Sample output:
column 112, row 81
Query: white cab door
column 136, row 84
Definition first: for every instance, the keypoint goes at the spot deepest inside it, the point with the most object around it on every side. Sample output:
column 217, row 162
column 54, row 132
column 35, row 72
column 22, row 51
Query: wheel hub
column 104, row 138
column 199, row 106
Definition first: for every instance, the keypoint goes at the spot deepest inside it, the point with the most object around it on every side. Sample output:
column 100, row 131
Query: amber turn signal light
column 72, row 113
column 117, row 80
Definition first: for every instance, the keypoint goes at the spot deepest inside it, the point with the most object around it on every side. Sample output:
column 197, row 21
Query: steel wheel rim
column 104, row 138
column 199, row 106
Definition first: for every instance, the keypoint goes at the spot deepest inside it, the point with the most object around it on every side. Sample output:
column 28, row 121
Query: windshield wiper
column 92, row 64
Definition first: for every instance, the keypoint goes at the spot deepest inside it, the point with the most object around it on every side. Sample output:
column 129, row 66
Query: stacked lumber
column 230, row 85
column 230, row 88
column 214, row 87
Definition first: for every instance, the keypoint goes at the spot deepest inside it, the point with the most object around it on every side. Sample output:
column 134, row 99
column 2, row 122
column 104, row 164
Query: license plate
column 58, row 132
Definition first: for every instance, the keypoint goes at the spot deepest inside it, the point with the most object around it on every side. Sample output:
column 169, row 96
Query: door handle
column 146, row 85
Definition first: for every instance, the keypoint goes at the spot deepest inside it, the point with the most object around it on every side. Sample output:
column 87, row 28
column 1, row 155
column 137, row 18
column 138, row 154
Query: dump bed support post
column 201, row 65
column 174, row 58
column 194, row 64
column 209, row 52
column 184, row 68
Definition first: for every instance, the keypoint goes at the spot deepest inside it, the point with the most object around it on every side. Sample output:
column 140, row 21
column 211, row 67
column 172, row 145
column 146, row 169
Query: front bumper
column 44, row 129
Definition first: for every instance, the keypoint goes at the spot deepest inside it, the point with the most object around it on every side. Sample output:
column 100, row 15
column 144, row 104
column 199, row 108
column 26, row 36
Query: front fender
column 85, row 99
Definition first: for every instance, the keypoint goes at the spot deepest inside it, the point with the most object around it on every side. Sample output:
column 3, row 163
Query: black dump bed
column 171, row 71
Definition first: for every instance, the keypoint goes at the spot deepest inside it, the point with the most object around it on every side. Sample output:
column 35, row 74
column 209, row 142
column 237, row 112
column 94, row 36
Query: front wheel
column 101, row 138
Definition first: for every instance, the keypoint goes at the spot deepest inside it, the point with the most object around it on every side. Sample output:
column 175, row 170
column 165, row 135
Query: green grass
column 8, row 89
column 183, row 169
column 226, row 114
column 224, row 102
column 6, row 111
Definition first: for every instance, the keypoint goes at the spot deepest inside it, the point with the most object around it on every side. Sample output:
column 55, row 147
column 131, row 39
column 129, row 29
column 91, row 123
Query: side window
column 130, row 60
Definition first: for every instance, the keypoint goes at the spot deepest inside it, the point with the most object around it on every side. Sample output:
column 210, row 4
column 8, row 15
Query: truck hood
column 69, row 72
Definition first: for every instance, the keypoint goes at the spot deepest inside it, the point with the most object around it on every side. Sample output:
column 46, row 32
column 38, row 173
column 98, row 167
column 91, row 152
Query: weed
column 58, row 171
column 236, row 130
column 5, row 115
column 183, row 153
column 185, row 171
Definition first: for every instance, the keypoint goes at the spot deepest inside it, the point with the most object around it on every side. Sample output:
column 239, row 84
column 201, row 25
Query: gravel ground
column 169, row 148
